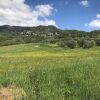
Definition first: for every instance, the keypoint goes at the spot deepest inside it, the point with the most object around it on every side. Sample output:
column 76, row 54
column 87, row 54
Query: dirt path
column 11, row 93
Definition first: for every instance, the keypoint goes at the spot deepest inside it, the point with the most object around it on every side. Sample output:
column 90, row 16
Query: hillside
column 15, row 35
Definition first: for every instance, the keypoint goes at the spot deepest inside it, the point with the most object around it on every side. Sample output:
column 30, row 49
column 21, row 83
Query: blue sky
column 71, row 14
column 65, row 14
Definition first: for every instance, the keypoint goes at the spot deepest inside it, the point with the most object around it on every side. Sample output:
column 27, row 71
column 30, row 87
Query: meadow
column 48, row 72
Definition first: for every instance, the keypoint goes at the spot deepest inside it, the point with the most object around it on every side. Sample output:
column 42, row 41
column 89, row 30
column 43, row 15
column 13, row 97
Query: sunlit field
column 48, row 72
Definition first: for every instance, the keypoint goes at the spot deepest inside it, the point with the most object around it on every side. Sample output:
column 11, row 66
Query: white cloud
column 98, row 15
column 84, row 3
column 94, row 23
column 17, row 13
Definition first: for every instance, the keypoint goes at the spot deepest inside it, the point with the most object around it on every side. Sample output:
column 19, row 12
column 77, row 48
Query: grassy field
column 48, row 72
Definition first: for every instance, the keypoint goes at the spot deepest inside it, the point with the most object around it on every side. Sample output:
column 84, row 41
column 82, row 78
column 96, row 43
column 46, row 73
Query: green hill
column 10, row 35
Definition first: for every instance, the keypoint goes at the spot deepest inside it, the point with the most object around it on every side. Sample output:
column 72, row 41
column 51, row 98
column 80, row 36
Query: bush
column 98, row 42
column 62, row 44
column 88, row 43
column 81, row 42
column 71, row 44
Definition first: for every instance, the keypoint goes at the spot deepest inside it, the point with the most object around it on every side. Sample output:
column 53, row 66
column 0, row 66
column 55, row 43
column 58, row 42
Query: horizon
column 81, row 15
column 53, row 26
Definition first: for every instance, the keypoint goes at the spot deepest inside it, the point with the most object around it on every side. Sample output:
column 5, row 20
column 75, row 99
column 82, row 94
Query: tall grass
column 78, row 81
column 52, row 73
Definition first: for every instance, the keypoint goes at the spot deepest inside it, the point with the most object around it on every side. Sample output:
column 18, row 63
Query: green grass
column 48, row 72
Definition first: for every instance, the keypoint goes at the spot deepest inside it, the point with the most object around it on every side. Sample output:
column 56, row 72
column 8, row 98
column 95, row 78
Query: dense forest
column 10, row 35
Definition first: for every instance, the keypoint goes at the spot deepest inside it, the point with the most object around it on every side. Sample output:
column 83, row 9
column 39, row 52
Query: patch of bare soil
column 12, row 93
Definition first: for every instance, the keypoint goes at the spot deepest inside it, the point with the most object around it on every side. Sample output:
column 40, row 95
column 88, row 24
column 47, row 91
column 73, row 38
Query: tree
column 81, row 42
column 71, row 44
column 88, row 43
column 98, row 42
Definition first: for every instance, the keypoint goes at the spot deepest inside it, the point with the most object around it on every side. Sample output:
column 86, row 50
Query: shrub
column 81, row 42
column 71, row 44
column 88, row 43
column 7, row 42
column 62, row 44
column 52, row 41
column 98, row 42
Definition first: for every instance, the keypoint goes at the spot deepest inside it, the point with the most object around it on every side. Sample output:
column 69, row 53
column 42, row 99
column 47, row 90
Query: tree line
column 10, row 35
